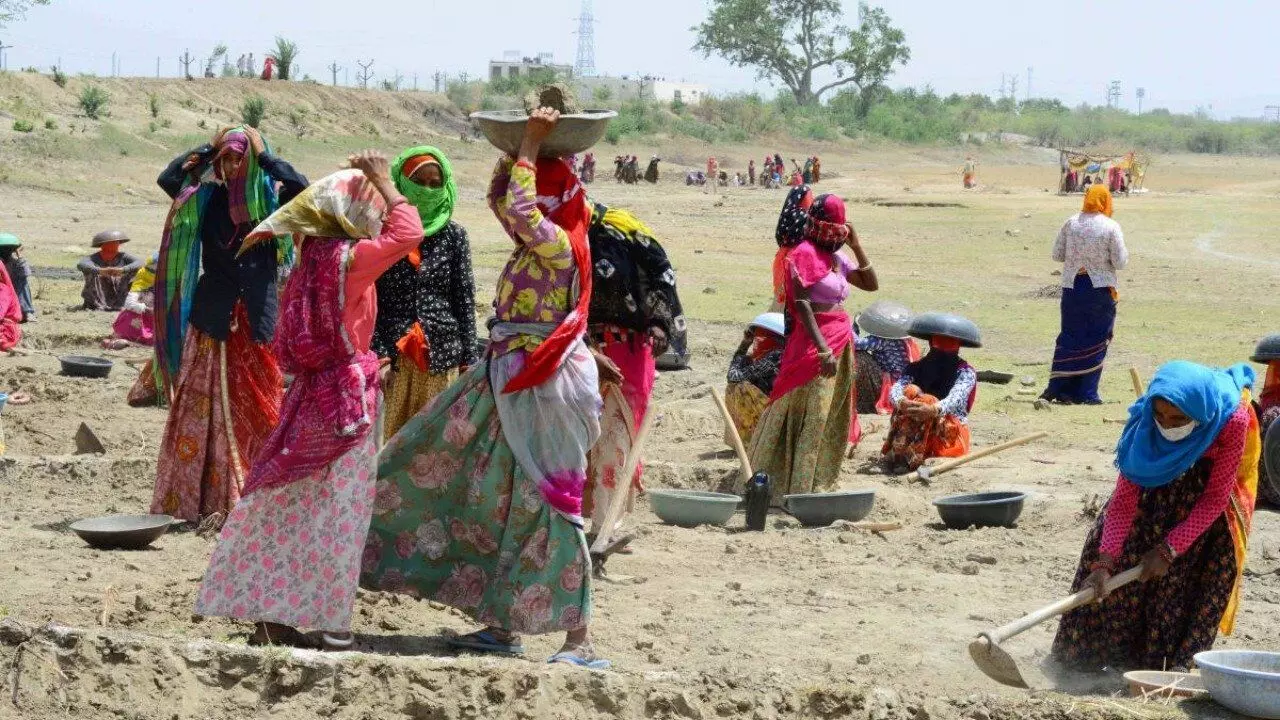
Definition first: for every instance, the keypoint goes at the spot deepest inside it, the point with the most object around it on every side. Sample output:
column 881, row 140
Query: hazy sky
column 1186, row 54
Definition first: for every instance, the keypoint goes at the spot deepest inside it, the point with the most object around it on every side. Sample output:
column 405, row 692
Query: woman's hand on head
column 255, row 140
column 372, row 163
column 541, row 123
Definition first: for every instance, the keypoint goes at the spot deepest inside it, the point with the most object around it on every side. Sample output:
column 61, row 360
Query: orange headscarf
column 1098, row 200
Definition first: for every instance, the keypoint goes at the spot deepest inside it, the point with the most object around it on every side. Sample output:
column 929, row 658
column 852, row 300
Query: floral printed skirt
column 458, row 521
column 910, row 441
column 409, row 390
column 746, row 403
column 801, row 437
column 291, row 555
column 210, row 442
column 1162, row 623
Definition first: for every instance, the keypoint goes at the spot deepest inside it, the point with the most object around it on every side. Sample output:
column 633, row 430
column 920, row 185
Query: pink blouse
column 1225, row 452
column 401, row 233
column 813, row 268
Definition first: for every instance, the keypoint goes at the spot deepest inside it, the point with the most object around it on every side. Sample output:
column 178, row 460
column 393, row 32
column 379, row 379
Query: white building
column 644, row 88
column 513, row 64
column 687, row 93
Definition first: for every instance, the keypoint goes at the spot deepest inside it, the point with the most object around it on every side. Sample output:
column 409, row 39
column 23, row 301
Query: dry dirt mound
column 292, row 107
column 58, row 671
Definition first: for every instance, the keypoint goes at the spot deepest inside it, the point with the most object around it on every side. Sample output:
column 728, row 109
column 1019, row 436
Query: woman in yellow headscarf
column 1091, row 247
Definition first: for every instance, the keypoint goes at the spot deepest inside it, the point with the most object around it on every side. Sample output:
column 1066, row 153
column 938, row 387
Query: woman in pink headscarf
column 289, row 554
column 802, row 436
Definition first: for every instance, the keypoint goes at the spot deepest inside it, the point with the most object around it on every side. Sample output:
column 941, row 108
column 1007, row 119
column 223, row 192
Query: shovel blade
column 996, row 664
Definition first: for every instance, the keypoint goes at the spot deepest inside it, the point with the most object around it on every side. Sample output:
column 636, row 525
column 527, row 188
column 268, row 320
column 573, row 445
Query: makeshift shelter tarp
column 1100, row 165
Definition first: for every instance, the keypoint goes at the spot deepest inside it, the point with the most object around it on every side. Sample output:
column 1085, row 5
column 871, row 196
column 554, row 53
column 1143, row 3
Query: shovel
column 1136, row 379
column 998, row 664
column 738, row 447
column 924, row 473
column 603, row 546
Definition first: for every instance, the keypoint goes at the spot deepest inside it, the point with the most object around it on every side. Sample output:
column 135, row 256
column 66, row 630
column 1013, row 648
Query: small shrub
column 31, row 69
column 153, row 126
column 187, row 103
column 93, row 101
column 23, row 126
column 49, row 124
column 59, row 77
column 153, row 104
column 370, row 129
column 253, row 111
column 298, row 121
column 166, row 123
column 203, row 125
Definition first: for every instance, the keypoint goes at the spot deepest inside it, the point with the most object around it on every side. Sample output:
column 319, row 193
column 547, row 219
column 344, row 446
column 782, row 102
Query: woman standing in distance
column 1091, row 247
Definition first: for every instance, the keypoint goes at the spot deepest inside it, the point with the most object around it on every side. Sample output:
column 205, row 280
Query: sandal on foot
column 571, row 657
column 269, row 634
column 486, row 642
column 337, row 642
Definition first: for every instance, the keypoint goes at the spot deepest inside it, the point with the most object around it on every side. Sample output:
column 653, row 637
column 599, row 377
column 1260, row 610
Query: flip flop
column 337, row 643
column 485, row 642
column 568, row 658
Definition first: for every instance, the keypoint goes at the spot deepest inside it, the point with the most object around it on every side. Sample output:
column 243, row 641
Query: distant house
column 515, row 65
column 687, row 93
column 643, row 88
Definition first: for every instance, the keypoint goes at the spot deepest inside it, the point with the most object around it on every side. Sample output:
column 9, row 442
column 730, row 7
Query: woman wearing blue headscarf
column 1182, row 507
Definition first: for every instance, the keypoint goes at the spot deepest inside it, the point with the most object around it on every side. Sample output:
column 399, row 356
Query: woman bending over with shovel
column 1181, row 510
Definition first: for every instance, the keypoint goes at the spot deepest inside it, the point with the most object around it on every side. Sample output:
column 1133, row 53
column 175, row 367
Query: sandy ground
column 711, row 622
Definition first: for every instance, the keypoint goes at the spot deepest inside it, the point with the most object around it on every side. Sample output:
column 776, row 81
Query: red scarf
column 561, row 199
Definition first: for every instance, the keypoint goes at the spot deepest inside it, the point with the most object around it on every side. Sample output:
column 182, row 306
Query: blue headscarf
column 1206, row 395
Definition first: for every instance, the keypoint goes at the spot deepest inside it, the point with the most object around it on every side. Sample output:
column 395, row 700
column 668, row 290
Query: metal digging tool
column 925, row 473
column 604, row 546
column 998, row 664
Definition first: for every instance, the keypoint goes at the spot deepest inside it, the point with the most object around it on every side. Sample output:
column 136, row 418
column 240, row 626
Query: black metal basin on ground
column 85, row 366
column 988, row 509
column 122, row 532
column 822, row 509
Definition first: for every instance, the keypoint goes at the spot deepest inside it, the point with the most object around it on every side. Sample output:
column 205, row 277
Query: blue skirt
column 1088, row 319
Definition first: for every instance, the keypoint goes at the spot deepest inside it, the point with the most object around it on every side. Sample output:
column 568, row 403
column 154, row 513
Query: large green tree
column 11, row 10
column 798, row 41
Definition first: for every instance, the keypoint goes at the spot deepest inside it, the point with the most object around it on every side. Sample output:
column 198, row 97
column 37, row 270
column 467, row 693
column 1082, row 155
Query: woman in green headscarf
column 426, row 326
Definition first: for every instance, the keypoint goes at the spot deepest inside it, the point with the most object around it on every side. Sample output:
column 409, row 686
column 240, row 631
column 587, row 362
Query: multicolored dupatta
column 178, row 267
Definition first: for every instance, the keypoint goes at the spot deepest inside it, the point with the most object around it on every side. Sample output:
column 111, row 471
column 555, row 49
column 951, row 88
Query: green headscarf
column 9, row 240
column 435, row 205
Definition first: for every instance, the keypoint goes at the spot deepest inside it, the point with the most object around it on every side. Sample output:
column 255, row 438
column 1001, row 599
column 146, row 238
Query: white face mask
column 1177, row 434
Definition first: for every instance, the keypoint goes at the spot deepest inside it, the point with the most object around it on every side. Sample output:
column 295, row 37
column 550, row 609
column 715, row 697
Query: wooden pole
column 620, row 495
column 1137, row 382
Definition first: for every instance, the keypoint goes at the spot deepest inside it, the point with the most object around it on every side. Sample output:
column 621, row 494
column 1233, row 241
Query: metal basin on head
column 573, row 134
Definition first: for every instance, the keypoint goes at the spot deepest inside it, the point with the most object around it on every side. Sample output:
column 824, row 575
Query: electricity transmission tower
column 586, row 65
column 334, row 68
column 1113, row 94
column 1142, row 95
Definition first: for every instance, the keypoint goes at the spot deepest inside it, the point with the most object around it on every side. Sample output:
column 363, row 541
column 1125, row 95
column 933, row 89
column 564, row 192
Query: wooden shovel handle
column 620, row 494
column 1137, row 382
column 953, row 464
column 738, row 447
column 1083, row 597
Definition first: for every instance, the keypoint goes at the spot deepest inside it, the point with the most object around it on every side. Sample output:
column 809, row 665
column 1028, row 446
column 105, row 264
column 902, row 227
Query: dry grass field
column 708, row 622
